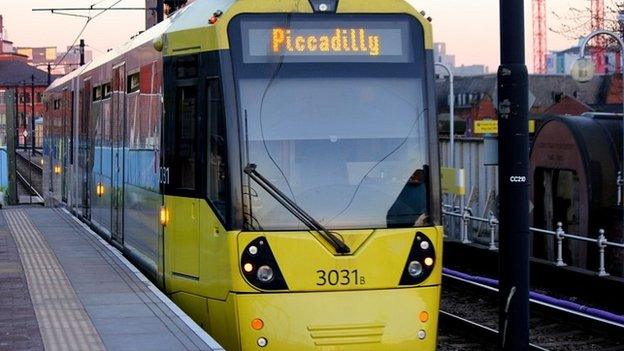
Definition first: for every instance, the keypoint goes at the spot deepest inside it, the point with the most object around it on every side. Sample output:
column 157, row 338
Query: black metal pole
column 160, row 11
column 17, row 121
column 11, row 127
column 513, row 143
column 25, row 118
column 32, row 114
column 82, row 52
column 49, row 74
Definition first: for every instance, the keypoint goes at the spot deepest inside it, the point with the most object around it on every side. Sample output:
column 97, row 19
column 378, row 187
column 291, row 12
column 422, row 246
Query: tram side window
column 185, row 129
column 216, row 146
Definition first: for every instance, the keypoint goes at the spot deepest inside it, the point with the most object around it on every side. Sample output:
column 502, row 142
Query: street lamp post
column 583, row 71
column 451, row 155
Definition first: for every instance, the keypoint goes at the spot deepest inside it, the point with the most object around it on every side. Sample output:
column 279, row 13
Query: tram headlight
column 421, row 261
column 265, row 274
column 259, row 266
column 415, row 269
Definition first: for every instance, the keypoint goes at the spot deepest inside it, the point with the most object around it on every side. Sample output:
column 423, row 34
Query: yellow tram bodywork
column 376, row 316
column 202, row 264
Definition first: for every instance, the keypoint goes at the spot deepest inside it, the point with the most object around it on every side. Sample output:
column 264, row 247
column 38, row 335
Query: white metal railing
column 559, row 234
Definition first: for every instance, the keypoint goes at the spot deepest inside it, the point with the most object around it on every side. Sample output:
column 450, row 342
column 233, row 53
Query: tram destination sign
column 328, row 41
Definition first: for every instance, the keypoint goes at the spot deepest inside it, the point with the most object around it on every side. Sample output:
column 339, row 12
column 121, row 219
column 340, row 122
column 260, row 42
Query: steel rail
column 28, row 186
column 472, row 328
column 32, row 164
column 595, row 320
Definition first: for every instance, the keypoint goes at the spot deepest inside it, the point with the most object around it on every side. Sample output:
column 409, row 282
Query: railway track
column 29, row 174
column 469, row 318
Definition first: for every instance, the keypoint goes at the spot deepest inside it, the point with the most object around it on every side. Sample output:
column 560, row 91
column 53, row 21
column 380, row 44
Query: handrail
column 601, row 242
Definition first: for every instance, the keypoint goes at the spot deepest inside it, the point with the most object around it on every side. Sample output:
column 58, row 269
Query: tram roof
column 194, row 15
column 144, row 37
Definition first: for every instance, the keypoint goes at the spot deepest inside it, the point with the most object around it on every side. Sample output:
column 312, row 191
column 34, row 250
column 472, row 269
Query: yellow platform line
column 63, row 321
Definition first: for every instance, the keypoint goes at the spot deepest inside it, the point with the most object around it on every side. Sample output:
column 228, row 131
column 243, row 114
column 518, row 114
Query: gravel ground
column 548, row 331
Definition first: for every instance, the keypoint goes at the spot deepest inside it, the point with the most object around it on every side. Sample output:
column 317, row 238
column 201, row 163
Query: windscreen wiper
column 297, row 211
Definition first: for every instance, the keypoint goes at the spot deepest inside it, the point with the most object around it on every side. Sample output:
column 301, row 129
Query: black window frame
column 208, row 68
column 214, row 82
column 107, row 91
column 131, row 88
column 97, row 93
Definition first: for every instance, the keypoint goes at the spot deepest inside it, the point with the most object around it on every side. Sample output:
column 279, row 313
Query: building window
column 97, row 93
column 107, row 90
column 133, row 82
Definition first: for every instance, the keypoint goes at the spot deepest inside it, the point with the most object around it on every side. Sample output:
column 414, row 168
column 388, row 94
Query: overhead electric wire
column 89, row 19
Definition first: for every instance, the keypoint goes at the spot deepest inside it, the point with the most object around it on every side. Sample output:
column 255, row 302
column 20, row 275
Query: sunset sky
column 470, row 28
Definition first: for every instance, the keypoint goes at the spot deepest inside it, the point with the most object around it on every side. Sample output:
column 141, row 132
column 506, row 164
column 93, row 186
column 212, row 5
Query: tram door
column 67, row 152
column 83, row 149
column 181, row 164
column 117, row 133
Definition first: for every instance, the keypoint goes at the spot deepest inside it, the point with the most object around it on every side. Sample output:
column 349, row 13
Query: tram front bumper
column 342, row 320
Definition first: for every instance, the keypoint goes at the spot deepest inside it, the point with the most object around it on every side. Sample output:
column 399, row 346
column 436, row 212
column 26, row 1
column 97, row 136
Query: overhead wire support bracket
column 54, row 12
column 91, row 9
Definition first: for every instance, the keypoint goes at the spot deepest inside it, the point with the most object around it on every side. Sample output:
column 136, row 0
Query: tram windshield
column 343, row 135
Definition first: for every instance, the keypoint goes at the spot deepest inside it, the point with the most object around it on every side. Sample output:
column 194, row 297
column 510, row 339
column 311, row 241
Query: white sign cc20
column 517, row 179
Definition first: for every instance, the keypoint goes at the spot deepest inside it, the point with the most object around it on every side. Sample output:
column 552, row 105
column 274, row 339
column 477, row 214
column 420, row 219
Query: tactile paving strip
column 63, row 322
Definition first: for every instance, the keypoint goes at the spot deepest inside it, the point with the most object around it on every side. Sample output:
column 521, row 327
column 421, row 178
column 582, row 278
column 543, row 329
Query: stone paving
column 18, row 325
column 85, row 296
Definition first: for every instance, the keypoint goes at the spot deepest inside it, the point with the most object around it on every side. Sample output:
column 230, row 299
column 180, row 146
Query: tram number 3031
column 339, row 277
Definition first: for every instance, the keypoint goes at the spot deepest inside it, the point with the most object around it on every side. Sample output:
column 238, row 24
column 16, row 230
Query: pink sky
column 470, row 28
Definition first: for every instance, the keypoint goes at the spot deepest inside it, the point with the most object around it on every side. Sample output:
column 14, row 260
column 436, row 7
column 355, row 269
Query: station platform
column 64, row 288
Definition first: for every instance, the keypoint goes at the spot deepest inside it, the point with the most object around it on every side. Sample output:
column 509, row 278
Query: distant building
column 17, row 75
column 441, row 56
column 151, row 13
column 40, row 56
column 70, row 60
column 554, row 95
column 6, row 47
column 471, row 70
column 560, row 62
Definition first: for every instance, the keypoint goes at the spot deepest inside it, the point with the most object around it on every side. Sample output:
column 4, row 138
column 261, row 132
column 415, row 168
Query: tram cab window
column 216, row 185
column 186, row 67
column 185, row 130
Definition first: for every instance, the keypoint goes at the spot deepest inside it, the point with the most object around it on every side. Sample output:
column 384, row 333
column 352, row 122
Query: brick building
column 17, row 74
column 554, row 95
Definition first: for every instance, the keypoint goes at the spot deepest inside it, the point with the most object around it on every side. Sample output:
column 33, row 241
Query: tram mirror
column 583, row 70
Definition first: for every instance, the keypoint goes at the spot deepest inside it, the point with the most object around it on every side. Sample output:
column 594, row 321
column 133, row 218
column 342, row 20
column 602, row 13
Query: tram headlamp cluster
column 415, row 269
column 265, row 274
column 420, row 262
column 260, row 268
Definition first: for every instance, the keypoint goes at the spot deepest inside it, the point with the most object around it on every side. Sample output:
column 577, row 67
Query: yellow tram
column 271, row 164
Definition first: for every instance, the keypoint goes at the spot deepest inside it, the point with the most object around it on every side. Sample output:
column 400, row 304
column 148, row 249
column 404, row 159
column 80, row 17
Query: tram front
column 341, row 244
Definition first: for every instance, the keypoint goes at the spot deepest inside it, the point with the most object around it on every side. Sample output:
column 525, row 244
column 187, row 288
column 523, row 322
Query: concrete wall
column 481, row 182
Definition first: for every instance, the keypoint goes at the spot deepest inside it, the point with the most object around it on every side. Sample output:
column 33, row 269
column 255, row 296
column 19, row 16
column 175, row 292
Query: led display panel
column 305, row 40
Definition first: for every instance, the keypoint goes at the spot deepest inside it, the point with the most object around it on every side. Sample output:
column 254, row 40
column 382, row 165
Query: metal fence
column 481, row 181
column 466, row 218
column 473, row 218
